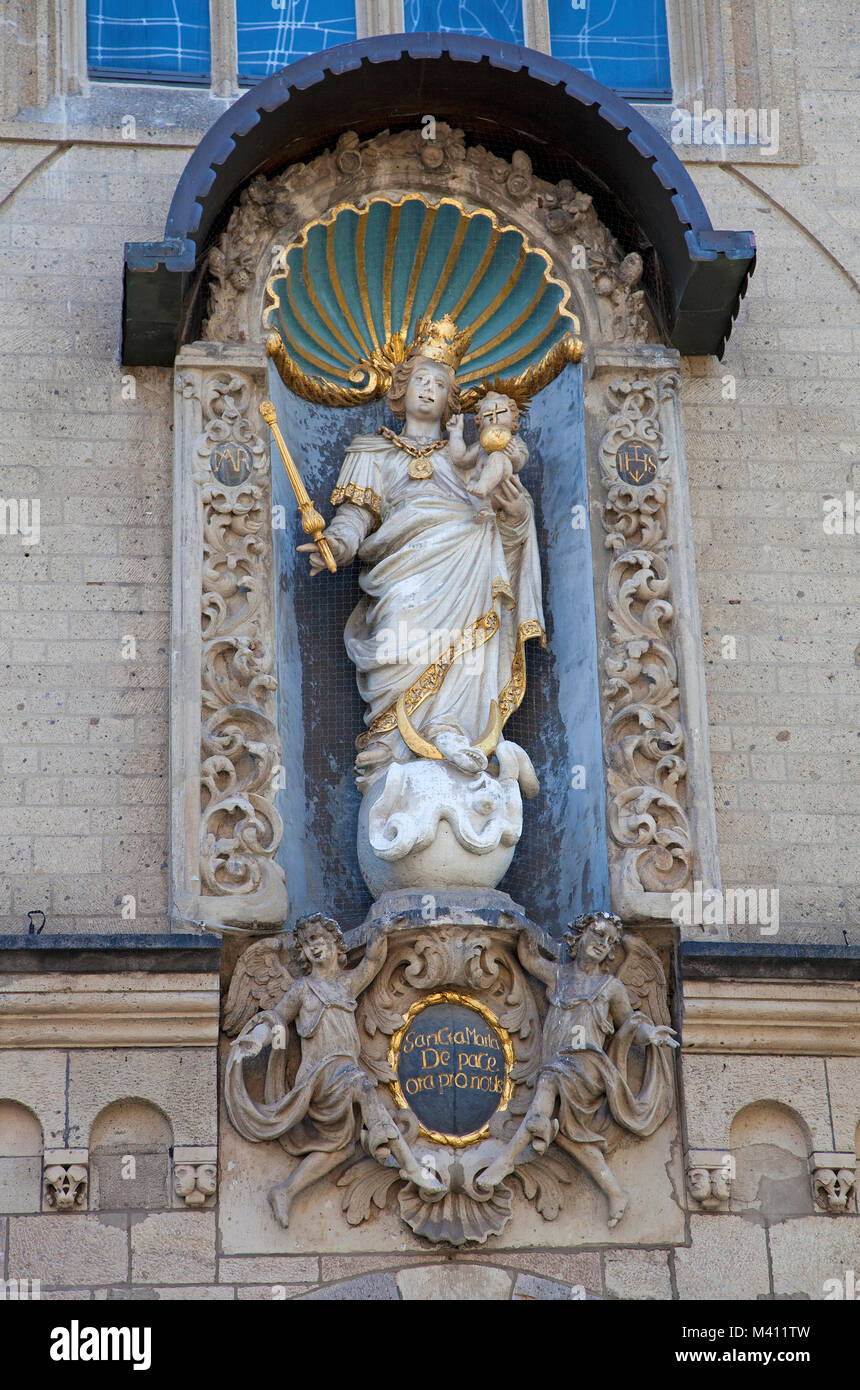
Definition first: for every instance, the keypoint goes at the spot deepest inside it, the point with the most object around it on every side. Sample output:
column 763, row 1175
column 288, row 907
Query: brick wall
column 784, row 714
column 83, row 727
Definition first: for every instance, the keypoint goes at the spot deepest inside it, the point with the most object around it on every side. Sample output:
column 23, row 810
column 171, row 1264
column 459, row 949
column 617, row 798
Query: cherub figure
column 332, row 1101
column 493, row 458
column 584, row 1084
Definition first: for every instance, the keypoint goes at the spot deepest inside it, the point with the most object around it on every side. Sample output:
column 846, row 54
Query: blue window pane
column 493, row 19
column 273, row 33
column 621, row 43
column 149, row 38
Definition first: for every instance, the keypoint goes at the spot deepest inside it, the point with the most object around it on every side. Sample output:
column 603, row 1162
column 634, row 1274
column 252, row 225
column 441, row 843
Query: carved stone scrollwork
column 648, row 821
column 240, row 829
column 572, row 213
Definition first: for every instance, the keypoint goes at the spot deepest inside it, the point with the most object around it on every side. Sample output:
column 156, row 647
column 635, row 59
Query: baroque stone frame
column 225, row 748
column 225, row 745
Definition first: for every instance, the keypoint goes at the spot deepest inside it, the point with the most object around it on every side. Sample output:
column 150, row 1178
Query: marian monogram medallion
column 231, row 463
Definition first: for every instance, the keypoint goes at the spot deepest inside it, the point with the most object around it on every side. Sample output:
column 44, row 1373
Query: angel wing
column 642, row 974
column 262, row 976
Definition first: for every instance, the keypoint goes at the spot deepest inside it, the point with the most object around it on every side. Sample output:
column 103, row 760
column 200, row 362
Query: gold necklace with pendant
column 420, row 464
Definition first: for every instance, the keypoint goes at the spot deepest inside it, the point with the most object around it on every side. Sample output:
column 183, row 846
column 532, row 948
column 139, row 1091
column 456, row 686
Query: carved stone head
column 442, row 408
column 496, row 409
column 699, row 1183
column 595, row 934
column 316, row 938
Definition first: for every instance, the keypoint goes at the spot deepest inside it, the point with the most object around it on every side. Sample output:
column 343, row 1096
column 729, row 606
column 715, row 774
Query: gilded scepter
column 313, row 524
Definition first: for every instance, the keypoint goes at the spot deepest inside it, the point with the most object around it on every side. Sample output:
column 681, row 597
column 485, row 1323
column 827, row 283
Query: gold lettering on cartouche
column 483, row 1059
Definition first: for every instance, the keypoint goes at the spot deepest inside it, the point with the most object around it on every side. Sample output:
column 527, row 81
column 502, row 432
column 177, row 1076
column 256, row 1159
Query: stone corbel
column 710, row 1173
column 65, row 1180
column 195, row 1175
column 225, row 748
column 660, row 819
column 833, row 1177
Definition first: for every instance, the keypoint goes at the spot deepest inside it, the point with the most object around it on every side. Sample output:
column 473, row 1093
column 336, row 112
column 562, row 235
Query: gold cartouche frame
column 456, row 1141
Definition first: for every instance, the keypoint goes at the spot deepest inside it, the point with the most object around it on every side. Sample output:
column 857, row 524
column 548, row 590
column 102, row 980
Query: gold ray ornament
column 523, row 387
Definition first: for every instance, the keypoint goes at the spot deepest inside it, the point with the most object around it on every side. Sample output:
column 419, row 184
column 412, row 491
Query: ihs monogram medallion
column 636, row 462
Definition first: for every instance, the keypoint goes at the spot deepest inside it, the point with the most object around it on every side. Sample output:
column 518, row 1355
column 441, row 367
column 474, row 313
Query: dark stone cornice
column 744, row 960
column 66, row 952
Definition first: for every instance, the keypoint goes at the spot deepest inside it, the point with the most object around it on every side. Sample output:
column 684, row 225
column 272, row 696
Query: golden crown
column 440, row 340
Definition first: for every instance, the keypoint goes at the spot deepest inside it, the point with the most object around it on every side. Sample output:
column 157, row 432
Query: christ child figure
column 498, row 452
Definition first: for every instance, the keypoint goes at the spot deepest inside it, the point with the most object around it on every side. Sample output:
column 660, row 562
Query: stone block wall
column 84, row 668
column 785, row 739
column 771, row 433
column 111, row 1186
column 84, row 628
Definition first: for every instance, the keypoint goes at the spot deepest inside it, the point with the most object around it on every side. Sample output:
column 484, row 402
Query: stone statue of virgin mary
column 451, row 593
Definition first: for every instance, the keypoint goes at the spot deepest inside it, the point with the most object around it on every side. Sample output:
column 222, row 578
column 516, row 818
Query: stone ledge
column 126, row 1008
column 802, row 1018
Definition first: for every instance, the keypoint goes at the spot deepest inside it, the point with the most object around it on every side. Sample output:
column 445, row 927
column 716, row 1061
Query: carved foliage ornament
column 832, row 1188
column 644, row 736
column 240, row 828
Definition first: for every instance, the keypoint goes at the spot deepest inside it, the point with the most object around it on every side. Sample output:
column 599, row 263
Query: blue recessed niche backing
column 560, row 866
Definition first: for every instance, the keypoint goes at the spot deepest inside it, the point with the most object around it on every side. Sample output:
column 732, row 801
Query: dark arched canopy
column 507, row 97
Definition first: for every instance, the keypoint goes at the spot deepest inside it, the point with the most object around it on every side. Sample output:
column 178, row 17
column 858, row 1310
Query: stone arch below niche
column 556, row 218
column 130, row 1144
column 770, row 1145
